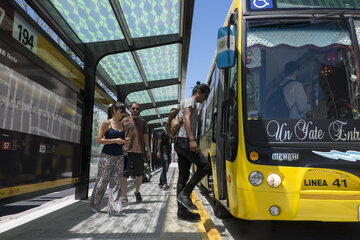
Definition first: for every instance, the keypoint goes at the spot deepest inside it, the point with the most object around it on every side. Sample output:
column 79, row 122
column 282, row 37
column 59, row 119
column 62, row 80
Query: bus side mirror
column 225, row 52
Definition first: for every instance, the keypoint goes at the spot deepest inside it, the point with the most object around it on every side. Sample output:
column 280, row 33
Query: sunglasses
column 137, row 109
column 121, row 111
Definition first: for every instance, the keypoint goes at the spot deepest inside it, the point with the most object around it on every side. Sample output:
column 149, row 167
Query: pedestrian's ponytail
column 115, row 106
column 203, row 87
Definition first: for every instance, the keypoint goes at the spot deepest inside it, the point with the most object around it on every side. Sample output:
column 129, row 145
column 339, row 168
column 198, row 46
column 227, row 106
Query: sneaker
column 93, row 210
column 160, row 186
column 186, row 201
column 124, row 202
column 188, row 216
column 138, row 196
column 166, row 187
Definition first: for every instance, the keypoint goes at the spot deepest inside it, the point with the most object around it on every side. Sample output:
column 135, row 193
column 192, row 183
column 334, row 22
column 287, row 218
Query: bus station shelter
column 130, row 50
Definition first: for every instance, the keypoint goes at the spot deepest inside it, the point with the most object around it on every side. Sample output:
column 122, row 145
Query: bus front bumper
column 298, row 207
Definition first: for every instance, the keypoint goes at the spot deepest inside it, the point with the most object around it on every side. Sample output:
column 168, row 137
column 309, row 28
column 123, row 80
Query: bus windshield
column 304, row 74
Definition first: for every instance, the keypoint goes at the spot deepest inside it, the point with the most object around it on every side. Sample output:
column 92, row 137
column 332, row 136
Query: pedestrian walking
column 163, row 153
column 188, row 152
column 137, row 131
column 111, row 161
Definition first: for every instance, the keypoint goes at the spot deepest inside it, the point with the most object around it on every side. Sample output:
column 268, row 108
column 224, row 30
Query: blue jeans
column 165, row 165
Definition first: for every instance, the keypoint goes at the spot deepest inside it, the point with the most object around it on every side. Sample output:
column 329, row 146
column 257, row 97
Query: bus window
column 214, row 83
column 209, row 110
column 232, row 125
column 252, row 93
column 357, row 29
column 326, row 83
column 216, row 80
column 202, row 122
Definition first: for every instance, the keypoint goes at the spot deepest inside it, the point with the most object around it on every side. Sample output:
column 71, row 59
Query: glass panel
column 121, row 68
column 233, row 105
column 305, row 89
column 99, row 117
column 313, row 74
column 292, row 36
column 148, row 112
column 154, row 121
column 202, row 124
column 30, row 108
column 357, row 29
column 165, row 93
column 151, row 17
column 141, row 97
column 209, row 109
column 166, row 109
column 91, row 20
column 160, row 62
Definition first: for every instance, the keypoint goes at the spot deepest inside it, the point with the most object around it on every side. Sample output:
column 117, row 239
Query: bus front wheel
column 219, row 210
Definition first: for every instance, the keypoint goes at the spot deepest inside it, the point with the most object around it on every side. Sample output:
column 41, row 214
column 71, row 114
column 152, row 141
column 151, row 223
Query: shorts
column 134, row 165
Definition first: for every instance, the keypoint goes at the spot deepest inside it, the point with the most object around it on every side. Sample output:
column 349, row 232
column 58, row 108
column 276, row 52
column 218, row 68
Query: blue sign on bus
column 261, row 4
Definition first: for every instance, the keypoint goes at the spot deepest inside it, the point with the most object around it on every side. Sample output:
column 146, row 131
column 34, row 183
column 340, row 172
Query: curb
column 206, row 226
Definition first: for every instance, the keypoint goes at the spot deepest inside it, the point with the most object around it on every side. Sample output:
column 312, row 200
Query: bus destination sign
column 288, row 4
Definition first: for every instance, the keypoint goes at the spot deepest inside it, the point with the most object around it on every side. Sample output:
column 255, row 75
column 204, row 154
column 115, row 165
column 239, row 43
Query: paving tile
column 153, row 218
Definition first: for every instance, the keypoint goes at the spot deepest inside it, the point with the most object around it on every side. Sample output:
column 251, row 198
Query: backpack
column 173, row 122
column 276, row 104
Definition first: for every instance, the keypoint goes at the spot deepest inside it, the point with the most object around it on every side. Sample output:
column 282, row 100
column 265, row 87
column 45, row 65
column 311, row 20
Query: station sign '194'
column 24, row 33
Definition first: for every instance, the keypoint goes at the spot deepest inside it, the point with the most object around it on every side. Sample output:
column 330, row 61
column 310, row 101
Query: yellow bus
column 281, row 125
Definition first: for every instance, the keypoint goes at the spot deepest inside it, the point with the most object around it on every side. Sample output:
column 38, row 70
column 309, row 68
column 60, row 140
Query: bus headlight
column 256, row 178
column 274, row 210
column 274, row 180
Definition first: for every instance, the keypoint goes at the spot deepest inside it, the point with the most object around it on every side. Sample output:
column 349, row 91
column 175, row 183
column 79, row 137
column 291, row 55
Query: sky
column 209, row 16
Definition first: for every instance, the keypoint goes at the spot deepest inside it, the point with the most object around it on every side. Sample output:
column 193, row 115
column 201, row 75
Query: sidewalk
column 153, row 218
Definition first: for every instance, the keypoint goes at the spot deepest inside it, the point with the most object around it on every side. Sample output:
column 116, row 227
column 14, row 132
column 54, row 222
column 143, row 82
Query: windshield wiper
column 340, row 13
column 279, row 22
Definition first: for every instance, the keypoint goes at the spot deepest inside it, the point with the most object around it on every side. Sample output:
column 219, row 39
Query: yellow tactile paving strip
column 206, row 226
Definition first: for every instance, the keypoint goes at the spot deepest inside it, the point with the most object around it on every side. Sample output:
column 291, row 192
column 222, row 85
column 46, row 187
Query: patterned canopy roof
column 140, row 46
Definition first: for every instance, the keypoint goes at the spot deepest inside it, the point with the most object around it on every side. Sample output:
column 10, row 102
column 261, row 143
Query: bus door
column 226, row 139
column 219, row 136
column 231, row 117
column 228, row 128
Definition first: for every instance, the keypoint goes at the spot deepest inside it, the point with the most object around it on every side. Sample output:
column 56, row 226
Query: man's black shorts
column 134, row 164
